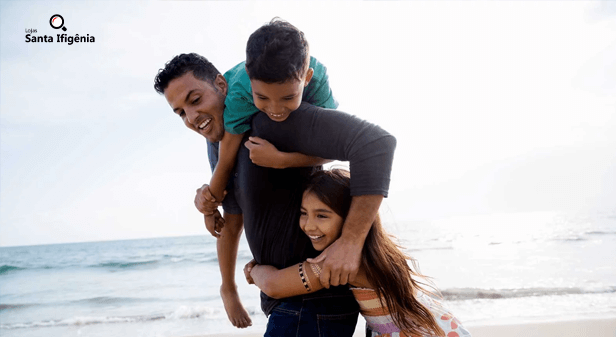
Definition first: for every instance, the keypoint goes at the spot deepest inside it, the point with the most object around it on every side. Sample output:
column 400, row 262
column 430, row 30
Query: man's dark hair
column 180, row 65
column 277, row 52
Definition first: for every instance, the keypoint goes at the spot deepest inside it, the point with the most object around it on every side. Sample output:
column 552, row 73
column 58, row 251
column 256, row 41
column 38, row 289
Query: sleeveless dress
column 382, row 324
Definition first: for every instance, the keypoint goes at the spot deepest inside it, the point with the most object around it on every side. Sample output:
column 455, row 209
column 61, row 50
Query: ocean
column 491, row 269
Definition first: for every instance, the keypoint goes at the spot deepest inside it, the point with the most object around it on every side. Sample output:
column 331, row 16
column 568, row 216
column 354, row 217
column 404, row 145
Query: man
column 269, row 199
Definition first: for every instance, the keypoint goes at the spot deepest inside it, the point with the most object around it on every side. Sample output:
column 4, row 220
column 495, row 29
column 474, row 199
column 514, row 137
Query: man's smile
column 205, row 123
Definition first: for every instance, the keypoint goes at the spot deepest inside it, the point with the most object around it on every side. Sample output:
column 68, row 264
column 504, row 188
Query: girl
column 391, row 300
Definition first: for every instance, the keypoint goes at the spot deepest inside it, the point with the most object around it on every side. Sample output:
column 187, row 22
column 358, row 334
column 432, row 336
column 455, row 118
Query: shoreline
column 599, row 327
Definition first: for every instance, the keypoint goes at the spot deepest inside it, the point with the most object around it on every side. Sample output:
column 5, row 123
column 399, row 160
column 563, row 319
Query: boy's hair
column 277, row 52
column 180, row 65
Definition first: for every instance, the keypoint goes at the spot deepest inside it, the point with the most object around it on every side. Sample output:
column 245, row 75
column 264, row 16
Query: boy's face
column 199, row 104
column 278, row 100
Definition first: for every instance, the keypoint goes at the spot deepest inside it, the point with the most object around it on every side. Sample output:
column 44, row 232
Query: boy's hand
column 247, row 269
column 205, row 201
column 214, row 223
column 263, row 153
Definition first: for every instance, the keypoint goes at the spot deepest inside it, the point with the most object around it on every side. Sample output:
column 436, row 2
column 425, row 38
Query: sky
column 497, row 107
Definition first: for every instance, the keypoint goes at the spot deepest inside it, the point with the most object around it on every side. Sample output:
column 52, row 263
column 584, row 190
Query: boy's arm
column 263, row 153
column 229, row 145
column 281, row 283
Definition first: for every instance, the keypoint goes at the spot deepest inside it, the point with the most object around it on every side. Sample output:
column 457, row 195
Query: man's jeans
column 311, row 316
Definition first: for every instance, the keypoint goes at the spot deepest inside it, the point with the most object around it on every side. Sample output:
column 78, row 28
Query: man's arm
column 337, row 135
column 341, row 260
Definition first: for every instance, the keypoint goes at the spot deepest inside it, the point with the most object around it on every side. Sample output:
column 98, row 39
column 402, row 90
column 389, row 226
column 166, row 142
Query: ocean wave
column 125, row 265
column 101, row 300
column 600, row 233
column 187, row 312
column 5, row 269
column 122, row 264
column 429, row 248
column 242, row 255
column 107, row 300
column 80, row 320
column 570, row 238
column 458, row 294
column 183, row 312
column 13, row 306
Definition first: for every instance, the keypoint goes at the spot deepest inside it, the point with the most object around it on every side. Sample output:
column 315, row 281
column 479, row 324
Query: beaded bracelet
column 305, row 281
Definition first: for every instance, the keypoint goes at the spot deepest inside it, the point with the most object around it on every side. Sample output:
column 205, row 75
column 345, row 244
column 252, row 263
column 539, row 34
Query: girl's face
column 322, row 225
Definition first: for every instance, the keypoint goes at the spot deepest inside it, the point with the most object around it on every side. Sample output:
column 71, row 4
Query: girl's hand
column 247, row 269
column 263, row 153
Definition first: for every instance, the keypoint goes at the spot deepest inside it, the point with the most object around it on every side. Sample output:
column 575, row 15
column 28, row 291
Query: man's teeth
column 204, row 124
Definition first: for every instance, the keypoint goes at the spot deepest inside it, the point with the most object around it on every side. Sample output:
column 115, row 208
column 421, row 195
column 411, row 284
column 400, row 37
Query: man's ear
column 309, row 74
column 220, row 83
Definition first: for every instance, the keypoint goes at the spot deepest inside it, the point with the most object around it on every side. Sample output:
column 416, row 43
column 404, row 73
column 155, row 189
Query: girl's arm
column 263, row 153
column 227, row 152
column 287, row 282
column 281, row 283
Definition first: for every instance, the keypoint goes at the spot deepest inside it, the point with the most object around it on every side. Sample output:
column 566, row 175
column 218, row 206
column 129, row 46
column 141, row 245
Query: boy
column 277, row 76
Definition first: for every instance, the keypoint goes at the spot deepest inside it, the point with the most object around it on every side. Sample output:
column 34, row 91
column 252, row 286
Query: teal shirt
column 239, row 105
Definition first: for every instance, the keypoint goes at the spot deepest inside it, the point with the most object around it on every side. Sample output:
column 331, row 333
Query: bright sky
column 497, row 107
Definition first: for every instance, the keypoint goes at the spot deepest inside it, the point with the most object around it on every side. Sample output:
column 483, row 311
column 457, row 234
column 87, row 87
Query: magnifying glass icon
column 57, row 22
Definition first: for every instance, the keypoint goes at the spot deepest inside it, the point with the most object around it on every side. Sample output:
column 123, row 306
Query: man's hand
column 205, row 201
column 214, row 223
column 264, row 154
column 247, row 269
column 341, row 262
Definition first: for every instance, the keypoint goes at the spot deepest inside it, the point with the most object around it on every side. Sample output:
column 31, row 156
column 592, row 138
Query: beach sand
column 576, row 328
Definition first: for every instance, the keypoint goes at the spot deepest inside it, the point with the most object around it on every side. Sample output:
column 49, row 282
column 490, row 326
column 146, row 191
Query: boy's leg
column 227, row 247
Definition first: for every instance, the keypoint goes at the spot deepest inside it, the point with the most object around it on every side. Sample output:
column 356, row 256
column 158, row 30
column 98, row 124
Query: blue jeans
column 311, row 316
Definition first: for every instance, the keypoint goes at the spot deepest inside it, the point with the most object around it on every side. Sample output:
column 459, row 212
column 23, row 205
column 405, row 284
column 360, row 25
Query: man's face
column 199, row 104
column 278, row 100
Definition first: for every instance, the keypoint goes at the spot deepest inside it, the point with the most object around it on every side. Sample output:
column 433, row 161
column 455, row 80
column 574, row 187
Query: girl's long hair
column 385, row 264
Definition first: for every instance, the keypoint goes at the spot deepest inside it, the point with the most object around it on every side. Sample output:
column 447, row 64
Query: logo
column 57, row 22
